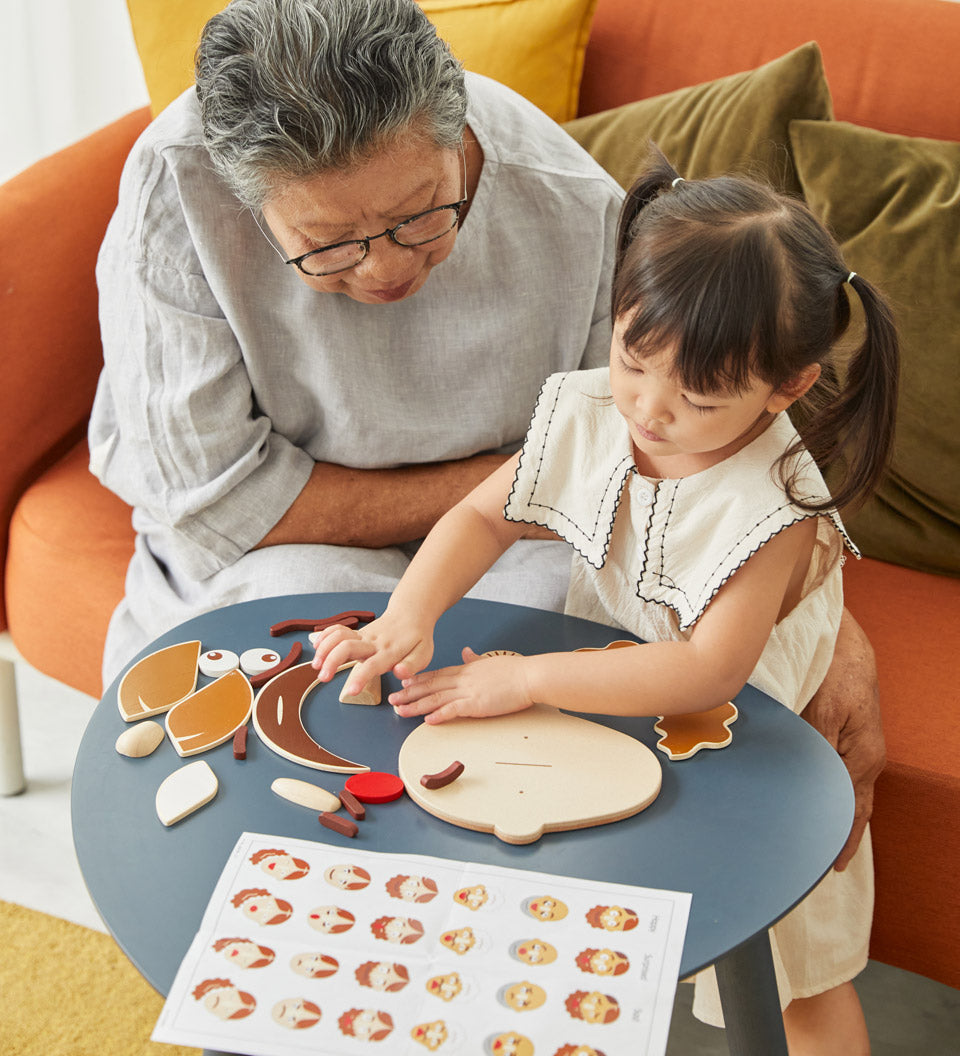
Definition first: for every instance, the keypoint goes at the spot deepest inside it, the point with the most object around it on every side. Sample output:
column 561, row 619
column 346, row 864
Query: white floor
column 38, row 867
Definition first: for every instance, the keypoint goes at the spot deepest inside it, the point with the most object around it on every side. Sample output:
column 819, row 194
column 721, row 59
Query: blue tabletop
column 748, row 830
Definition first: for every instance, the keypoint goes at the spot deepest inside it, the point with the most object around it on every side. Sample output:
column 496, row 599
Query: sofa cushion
column 916, row 838
column 70, row 543
column 894, row 205
column 535, row 47
column 735, row 124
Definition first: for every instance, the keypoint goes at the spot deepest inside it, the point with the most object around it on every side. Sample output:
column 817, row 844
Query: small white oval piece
column 185, row 791
column 305, row 794
column 256, row 661
column 215, row 662
column 140, row 740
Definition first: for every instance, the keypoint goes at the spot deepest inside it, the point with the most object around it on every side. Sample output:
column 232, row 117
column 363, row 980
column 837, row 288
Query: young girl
column 698, row 515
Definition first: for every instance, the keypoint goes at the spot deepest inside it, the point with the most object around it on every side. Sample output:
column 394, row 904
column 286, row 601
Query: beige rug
column 68, row 991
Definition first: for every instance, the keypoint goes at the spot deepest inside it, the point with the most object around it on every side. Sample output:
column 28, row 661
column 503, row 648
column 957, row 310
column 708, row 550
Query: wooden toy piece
column 501, row 652
column 344, row 826
column 278, row 720
column 287, row 662
column 619, row 644
column 240, row 743
column 305, row 794
column 530, row 772
column 352, row 805
column 158, row 681
column 375, row 787
column 371, row 694
column 185, row 791
column 444, row 778
column 140, row 740
column 684, row 735
column 256, row 661
column 211, row 715
column 217, row 662
column 353, row 618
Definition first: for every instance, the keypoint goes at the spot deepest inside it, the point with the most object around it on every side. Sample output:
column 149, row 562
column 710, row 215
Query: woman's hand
column 483, row 686
column 394, row 643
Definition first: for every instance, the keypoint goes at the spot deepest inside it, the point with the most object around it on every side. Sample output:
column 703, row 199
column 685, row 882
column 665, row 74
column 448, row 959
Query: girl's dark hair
column 744, row 281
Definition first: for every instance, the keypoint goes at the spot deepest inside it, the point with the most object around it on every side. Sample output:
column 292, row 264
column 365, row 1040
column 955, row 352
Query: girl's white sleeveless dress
column 649, row 557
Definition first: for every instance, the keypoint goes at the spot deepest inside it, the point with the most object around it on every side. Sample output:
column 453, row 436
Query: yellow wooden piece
column 211, row 715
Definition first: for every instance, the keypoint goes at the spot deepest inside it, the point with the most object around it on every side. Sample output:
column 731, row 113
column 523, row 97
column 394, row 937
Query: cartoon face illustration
column 262, row 907
column 280, row 865
column 471, row 897
column 446, row 987
column 592, row 1006
column 224, row 1000
column 544, row 908
column 431, row 1035
column 314, row 965
column 459, row 940
column 533, row 951
column 411, row 888
column 382, row 975
column 509, row 1043
column 402, row 930
column 295, row 1013
column 347, row 877
column 612, row 918
column 367, row 1024
column 522, row 997
column 244, row 953
column 330, row 919
column 577, row 1050
column 603, row 962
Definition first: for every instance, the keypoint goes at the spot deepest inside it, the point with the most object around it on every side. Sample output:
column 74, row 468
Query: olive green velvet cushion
column 735, row 124
column 894, row 204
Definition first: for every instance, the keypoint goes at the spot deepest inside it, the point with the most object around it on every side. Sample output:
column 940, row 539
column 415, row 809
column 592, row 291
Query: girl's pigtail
column 857, row 426
column 658, row 175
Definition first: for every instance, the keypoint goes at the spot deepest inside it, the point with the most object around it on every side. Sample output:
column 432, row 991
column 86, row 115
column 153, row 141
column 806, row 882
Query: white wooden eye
column 256, row 661
column 216, row 662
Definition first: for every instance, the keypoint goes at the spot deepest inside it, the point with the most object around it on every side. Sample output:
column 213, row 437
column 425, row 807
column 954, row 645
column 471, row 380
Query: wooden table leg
column 751, row 1005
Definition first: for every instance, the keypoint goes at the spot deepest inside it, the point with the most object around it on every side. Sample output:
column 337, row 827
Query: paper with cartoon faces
column 280, row 865
column 357, row 952
column 411, row 888
column 533, row 951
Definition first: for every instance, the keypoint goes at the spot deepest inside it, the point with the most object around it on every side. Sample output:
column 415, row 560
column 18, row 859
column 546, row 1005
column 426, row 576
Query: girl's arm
column 463, row 544
column 659, row 678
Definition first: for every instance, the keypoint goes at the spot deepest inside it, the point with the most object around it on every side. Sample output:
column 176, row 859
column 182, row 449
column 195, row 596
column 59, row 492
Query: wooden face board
column 535, row 771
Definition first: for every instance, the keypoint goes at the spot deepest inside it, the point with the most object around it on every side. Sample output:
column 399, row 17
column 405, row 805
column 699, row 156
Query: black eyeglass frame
column 390, row 232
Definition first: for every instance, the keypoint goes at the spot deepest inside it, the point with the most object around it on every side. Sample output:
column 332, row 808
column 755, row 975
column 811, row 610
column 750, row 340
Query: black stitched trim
column 621, row 471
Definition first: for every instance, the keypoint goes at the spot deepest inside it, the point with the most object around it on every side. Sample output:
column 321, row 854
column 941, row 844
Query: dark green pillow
column 735, row 124
column 894, row 204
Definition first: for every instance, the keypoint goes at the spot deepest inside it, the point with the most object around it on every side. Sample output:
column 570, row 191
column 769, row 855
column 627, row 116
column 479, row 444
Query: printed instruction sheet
column 306, row 948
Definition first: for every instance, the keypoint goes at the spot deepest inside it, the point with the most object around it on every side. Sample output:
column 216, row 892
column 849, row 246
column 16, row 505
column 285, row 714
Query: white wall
column 67, row 67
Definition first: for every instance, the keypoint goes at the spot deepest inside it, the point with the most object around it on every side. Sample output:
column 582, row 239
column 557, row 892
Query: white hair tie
column 679, row 179
column 851, row 277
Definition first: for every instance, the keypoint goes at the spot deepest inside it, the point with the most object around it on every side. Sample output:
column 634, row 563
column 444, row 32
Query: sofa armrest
column 52, row 219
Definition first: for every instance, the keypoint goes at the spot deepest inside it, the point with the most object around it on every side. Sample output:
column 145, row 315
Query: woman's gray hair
column 292, row 88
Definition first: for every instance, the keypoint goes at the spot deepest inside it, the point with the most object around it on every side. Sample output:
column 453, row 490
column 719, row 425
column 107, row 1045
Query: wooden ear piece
column 684, row 735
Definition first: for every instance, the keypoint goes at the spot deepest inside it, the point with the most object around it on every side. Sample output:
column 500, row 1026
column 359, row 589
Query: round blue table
column 748, row 830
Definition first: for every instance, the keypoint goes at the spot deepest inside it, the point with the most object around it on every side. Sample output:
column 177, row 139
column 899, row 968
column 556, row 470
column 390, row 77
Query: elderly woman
column 338, row 273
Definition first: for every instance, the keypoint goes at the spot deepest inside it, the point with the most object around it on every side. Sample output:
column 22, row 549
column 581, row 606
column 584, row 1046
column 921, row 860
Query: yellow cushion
column 535, row 47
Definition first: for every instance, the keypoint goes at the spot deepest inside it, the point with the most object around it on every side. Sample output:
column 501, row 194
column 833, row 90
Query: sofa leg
column 11, row 756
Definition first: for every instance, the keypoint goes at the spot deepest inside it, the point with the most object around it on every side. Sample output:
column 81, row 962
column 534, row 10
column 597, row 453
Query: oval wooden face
column 531, row 772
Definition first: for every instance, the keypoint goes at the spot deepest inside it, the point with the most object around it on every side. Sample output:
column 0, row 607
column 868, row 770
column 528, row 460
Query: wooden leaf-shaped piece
column 211, row 715
column 158, row 681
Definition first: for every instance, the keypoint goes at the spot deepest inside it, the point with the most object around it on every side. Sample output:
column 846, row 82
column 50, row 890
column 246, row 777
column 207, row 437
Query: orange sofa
column 65, row 541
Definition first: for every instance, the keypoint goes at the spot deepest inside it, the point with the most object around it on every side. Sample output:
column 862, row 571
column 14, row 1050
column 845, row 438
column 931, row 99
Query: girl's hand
column 483, row 686
column 392, row 643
